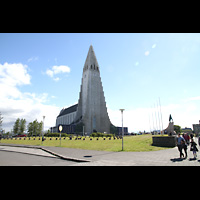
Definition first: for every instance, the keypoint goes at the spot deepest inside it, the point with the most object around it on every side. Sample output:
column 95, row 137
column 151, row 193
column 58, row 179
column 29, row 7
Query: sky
column 150, row 75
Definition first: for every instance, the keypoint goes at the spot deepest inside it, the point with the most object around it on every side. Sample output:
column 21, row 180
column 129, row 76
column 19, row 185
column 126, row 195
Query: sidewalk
column 169, row 157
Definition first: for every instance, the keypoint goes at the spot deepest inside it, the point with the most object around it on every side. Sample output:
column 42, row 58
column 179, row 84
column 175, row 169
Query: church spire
column 92, row 110
column 91, row 61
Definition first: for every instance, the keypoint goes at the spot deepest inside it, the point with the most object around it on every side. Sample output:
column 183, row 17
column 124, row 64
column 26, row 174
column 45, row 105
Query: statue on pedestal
column 170, row 129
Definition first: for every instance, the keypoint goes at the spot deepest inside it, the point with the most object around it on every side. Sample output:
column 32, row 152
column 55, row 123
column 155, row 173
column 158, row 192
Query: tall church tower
column 92, row 110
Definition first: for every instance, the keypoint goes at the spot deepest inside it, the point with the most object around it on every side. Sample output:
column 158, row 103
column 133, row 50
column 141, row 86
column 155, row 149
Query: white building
column 67, row 116
column 91, row 110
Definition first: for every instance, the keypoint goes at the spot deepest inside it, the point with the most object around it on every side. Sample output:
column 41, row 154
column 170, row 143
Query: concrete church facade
column 91, row 111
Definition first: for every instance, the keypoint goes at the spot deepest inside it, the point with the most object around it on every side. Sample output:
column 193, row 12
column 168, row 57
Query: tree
column 30, row 129
column 39, row 127
column 1, row 121
column 177, row 129
column 35, row 128
column 16, row 126
column 22, row 125
column 19, row 126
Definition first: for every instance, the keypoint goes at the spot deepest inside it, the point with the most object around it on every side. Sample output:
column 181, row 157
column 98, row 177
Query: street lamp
column 60, row 129
column 43, row 130
column 122, row 129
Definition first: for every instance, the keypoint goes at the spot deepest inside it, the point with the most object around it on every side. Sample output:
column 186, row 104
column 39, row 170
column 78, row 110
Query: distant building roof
column 68, row 110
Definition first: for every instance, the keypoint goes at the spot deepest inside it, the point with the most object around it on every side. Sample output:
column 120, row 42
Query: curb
column 48, row 151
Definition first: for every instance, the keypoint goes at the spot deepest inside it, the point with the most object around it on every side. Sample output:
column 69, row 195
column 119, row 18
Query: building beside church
column 196, row 128
column 90, row 113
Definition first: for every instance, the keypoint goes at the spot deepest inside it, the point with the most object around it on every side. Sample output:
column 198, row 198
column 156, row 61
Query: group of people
column 183, row 142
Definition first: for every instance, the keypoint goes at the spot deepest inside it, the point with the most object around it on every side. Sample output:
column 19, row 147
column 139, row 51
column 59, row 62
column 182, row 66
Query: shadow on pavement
column 191, row 159
column 177, row 159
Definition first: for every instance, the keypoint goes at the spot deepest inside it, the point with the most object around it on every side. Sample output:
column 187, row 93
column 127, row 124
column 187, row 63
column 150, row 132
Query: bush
column 101, row 135
column 56, row 135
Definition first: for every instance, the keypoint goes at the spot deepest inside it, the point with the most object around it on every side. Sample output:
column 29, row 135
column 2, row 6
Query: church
column 90, row 114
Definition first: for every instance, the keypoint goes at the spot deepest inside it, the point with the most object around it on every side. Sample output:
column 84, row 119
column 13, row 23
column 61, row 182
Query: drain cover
column 87, row 156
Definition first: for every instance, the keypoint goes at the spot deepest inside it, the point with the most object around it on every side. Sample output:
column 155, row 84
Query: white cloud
column 28, row 108
column 146, row 53
column 49, row 73
column 9, row 91
column 16, row 104
column 14, row 74
column 193, row 99
column 139, row 119
column 34, row 58
column 135, row 119
column 153, row 46
column 61, row 69
column 41, row 98
column 56, row 79
column 57, row 70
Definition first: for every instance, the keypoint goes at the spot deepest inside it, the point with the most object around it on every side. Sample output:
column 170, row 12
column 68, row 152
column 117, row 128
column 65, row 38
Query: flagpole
column 150, row 123
column 153, row 120
column 161, row 116
column 156, row 118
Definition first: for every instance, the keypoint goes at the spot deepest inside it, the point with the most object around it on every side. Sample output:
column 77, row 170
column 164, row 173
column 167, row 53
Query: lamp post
column 122, row 129
column 60, row 129
column 43, row 130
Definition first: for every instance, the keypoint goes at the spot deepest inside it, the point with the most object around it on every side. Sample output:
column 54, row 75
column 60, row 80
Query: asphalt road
column 10, row 157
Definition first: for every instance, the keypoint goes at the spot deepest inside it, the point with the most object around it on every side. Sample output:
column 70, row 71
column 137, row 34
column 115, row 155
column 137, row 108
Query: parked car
column 21, row 135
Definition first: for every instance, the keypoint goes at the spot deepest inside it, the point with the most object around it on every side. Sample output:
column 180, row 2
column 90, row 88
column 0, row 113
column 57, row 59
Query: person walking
column 179, row 144
column 184, row 146
column 187, row 138
column 194, row 148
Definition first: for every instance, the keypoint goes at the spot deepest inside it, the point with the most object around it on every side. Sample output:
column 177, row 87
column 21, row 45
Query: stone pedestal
column 164, row 141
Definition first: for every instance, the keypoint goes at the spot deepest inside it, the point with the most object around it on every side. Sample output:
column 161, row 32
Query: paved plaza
column 168, row 157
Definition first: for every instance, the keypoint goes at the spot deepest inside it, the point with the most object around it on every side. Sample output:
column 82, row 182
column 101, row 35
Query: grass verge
column 131, row 143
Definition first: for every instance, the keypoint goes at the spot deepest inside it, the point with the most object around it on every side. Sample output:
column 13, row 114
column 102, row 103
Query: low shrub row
column 56, row 135
column 101, row 135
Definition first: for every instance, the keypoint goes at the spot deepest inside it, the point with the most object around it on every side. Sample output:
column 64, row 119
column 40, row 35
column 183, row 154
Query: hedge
column 101, row 135
column 56, row 135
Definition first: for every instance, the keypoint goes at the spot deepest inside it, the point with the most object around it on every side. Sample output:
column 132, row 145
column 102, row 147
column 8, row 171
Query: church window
column 91, row 66
column 94, row 66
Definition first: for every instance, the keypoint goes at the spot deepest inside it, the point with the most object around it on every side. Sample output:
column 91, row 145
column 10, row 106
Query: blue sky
column 41, row 73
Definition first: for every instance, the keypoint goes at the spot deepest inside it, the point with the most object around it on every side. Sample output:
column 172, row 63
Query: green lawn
column 131, row 143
